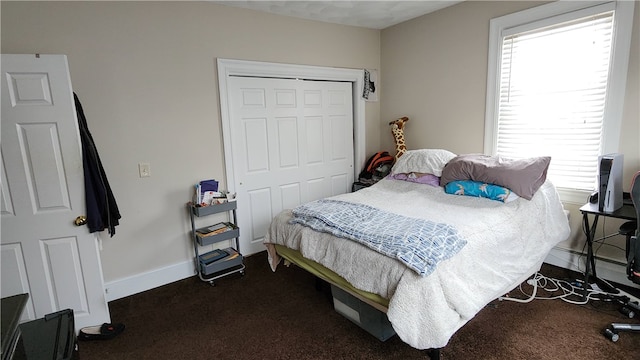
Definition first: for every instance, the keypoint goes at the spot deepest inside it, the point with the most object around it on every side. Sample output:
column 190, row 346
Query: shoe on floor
column 100, row 332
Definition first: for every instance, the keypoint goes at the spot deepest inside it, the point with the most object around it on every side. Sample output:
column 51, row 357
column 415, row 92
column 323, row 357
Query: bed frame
column 322, row 273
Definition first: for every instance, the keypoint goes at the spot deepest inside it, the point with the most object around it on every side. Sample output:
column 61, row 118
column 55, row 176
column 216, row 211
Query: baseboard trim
column 605, row 268
column 131, row 285
column 568, row 259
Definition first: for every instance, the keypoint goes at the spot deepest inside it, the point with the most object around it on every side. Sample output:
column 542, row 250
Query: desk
column 12, row 308
column 626, row 212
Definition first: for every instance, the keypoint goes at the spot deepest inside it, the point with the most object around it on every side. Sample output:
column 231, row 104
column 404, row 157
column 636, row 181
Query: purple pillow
column 428, row 179
column 524, row 176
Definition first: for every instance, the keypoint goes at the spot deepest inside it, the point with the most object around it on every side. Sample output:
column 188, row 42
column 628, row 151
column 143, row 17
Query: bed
column 504, row 242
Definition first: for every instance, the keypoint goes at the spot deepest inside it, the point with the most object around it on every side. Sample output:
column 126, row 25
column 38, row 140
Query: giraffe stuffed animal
column 397, row 129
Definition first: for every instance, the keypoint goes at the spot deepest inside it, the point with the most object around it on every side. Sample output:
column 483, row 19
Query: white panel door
column 291, row 142
column 43, row 252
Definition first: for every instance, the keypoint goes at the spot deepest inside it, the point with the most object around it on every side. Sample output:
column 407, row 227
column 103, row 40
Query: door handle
column 80, row 220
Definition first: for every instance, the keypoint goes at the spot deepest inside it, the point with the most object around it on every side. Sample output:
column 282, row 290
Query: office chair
column 633, row 258
column 633, row 263
column 628, row 230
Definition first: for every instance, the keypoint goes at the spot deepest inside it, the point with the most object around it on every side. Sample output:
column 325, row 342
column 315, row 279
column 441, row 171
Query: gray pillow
column 524, row 176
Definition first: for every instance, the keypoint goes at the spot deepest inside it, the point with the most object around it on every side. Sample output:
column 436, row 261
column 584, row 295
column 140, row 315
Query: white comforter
column 505, row 244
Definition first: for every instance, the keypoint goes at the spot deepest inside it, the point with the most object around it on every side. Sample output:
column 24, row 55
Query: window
column 557, row 75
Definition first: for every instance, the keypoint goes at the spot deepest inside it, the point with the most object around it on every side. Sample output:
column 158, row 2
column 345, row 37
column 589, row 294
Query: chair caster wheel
column 609, row 334
column 627, row 312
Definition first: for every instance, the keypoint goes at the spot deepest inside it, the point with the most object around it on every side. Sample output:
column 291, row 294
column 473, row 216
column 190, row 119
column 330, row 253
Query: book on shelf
column 208, row 197
column 206, row 190
column 218, row 228
column 231, row 256
column 213, row 256
column 219, row 256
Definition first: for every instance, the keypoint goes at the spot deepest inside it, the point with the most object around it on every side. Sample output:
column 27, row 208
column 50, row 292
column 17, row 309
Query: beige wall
column 146, row 75
column 434, row 71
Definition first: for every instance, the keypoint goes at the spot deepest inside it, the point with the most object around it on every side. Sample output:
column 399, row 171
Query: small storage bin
column 213, row 209
column 372, row 320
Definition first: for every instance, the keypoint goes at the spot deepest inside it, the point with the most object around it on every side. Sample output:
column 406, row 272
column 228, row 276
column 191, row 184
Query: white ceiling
column 368, row 14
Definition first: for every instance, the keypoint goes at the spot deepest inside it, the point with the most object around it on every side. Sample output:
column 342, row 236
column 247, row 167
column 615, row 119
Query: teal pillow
column 477, row 189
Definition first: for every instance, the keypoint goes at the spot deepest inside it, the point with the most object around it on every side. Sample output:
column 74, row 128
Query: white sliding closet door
column 291, row 142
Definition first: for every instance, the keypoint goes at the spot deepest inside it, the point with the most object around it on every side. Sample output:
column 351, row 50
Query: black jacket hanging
column 102, row 210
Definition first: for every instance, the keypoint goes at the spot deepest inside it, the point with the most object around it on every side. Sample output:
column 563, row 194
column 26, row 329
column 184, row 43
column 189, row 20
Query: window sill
column 574, row 196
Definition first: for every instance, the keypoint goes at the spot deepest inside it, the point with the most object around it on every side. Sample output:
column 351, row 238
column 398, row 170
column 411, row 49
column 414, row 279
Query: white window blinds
column 552, row 91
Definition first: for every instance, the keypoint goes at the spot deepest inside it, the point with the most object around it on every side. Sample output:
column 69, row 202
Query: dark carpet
column 281, row 315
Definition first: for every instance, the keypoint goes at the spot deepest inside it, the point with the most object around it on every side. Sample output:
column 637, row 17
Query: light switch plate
column 144, row 169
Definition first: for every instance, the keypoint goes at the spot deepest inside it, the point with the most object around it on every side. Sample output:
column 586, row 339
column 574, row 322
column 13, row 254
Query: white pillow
column 428, row 161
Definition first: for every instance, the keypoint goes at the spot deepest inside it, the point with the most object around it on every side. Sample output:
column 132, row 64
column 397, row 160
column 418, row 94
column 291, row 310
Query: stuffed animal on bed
column 397, row 130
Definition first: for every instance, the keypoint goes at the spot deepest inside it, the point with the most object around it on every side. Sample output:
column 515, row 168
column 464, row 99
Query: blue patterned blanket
column 418, row 243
